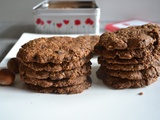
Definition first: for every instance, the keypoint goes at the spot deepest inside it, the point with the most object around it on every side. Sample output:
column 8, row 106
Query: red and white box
column 124, row 24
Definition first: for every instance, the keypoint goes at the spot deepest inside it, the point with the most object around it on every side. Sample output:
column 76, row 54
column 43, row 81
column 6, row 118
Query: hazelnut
column 7, row 77
column 13, row 65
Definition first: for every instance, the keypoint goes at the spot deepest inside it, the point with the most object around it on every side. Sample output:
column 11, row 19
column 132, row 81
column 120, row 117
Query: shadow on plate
column 96, row 82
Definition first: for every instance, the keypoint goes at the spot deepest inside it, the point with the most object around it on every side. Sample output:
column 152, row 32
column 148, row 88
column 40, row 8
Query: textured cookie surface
column 56, row 83
column 144, row 60
column 129, row 67
column 128, row 54
column 58, row 67
column 151, row 72
column 94, row 40
column 85, row 69
column 55, row 49
column 62, row 90
column 120, row 83
column 135, row 37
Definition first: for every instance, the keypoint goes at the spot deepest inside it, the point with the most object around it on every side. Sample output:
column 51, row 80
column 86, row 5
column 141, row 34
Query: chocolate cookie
column 62, row 90
column 56, row 83
column 94, row 40
column 144, row 60
column 151, row 72
column 120, row 83
column 127, row 54
column 85, row 69
column 55, row 49
column 58, row 67
column 131, row 38
column 129, row 67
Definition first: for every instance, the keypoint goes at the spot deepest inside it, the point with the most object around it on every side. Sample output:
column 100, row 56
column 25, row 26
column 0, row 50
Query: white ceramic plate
column 97, row 103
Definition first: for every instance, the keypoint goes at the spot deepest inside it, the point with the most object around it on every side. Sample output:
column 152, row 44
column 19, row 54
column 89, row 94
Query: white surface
column 97, row 103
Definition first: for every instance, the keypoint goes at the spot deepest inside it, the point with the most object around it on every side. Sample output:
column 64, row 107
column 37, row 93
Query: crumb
column 141, row 93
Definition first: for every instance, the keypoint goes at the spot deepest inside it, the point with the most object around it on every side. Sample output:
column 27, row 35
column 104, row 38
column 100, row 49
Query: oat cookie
column 62, row 90
column 55, row 49
column 94, row 40
column 119, row 83
column 151, row 72
column 56, row 83
column 144, row 60
column 135, row 37
column 127, row 54
column 58, row 67
column 85, row 69
column 129, row 67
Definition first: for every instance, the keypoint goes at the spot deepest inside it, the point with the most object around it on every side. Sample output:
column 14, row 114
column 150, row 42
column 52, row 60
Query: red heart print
column 42, row 22
column 66, row 22
column 59, row 25
column 91, row 22
column 38, row 21
column 87, row 20
column 77, row 22
column 49, row 21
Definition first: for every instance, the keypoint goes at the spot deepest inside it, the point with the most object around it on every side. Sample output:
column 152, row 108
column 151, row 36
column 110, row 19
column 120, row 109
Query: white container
column 67, row 17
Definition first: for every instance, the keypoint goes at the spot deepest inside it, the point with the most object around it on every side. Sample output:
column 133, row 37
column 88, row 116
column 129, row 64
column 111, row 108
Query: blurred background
column 111, row 10
column 16, row 16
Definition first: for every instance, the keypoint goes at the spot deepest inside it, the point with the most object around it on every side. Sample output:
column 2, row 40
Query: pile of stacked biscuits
column 57, row 64
column 129, row 57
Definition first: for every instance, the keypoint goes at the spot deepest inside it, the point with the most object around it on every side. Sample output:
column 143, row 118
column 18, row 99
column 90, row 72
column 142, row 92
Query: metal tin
column 67, row 17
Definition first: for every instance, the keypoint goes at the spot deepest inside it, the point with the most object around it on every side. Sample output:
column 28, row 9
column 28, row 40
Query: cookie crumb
column 141, row 93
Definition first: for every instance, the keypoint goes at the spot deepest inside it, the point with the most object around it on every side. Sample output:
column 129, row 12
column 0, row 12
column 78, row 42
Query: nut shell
column 13, row 65
column 7, row 77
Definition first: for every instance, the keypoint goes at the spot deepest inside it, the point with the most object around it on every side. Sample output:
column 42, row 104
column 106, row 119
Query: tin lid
column 66, row 6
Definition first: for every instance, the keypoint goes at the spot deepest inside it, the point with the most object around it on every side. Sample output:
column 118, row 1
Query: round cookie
column 56, row 83
column 151, row 72
column 62, row 90
column 85, row 69
column 55, row 49
column 144, row 60
column 94, row 40
column 131, row 38
column 119, row 83
column 129, row 67
column 127, row 54
column 58, row 67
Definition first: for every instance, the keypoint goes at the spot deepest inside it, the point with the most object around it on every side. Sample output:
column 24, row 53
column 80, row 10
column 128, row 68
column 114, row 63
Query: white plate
column 97, row 103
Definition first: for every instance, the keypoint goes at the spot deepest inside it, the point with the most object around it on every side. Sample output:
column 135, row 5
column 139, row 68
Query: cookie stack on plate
column 129, row 57
column 57, row 64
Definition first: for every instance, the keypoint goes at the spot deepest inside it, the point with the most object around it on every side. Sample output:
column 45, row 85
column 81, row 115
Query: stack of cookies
column 129, row 57
column 57, row 64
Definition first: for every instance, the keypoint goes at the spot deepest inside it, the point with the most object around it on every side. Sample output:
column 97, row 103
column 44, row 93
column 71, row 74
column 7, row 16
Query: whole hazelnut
column 13, row 65
column 7, row 77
